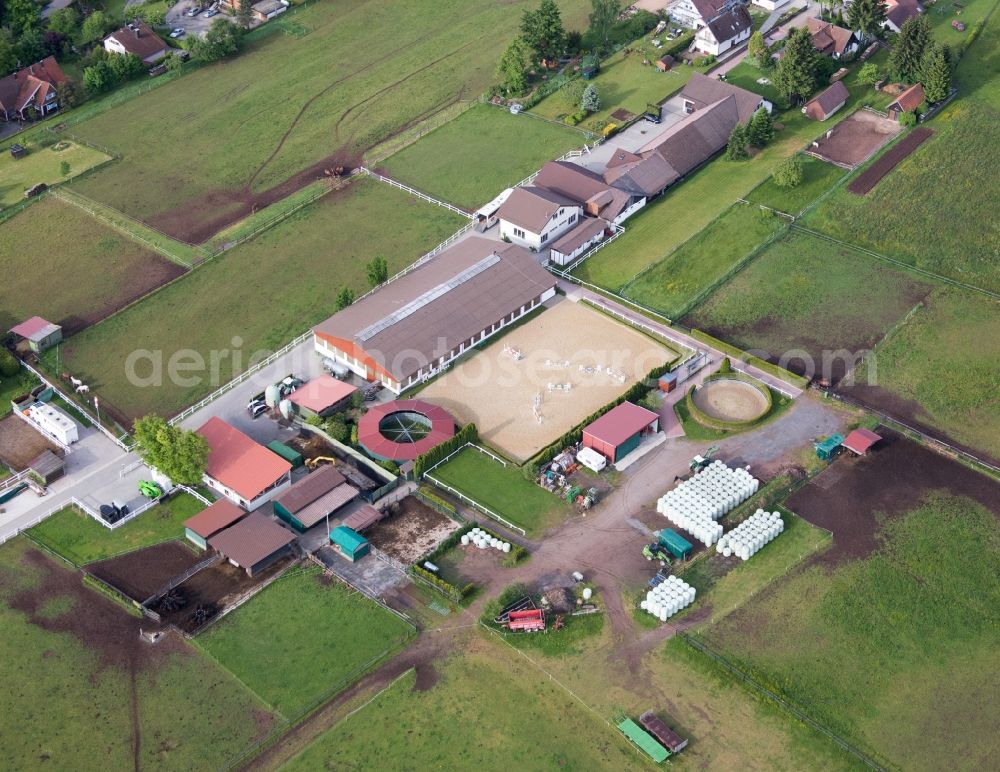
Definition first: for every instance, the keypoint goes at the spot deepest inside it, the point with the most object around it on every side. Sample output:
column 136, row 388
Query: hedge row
column 635, row 393
column 110, row 592
column 450, row 591
column 716, row 423
column 446, row 545
column 434, row 501
column 678, row 46
column 463, row 436
column 742, row 356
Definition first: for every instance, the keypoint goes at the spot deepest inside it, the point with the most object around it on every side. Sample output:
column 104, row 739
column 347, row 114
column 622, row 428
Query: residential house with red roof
column 243, row 471
column 31, row 92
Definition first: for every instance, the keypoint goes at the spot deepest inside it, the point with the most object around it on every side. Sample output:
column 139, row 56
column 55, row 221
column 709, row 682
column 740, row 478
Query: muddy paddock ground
column 215, row 587
column 412, row 529
column 853, row 495
column 141, row 573
column 20, row 443
column 855, row 138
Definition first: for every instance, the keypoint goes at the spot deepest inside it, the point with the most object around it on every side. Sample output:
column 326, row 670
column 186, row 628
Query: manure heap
column 696, row 504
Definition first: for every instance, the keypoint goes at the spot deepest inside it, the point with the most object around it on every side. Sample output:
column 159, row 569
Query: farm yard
column 673, row 285
column 855, row 139
column 303, row 638
column 473, row 157
column 140, row 574
column 65, row 647
column 804, row 296
column 81, row 539
column 440, row 708
column 87, row 269
column 934, row 210
column 20, row 443
column 347, row 85
column 299, row 264
column 502, row 489
column 940, row 369
column 412, row 529
column 566, row 344
column 910, row 621
column 44, row 164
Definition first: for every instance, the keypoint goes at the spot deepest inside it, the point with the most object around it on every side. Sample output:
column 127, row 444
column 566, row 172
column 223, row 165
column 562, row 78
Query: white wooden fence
column 414, row 192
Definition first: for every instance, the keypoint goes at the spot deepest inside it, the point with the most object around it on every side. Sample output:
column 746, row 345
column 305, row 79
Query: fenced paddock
column 855, row 139
column 566, row 345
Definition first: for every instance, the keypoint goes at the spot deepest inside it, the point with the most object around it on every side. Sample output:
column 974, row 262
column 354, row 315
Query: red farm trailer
column 528, row 621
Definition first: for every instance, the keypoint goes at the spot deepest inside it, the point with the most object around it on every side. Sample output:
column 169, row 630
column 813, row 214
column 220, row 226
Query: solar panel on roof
column 428, row 297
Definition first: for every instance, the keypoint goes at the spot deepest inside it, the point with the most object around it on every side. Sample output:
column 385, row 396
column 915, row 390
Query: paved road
column 577, row 293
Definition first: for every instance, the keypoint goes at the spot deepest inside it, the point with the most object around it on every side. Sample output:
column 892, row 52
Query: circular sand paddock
column 731, row 400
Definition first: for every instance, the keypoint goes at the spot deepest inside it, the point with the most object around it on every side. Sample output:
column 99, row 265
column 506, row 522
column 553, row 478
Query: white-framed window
column 519, row 233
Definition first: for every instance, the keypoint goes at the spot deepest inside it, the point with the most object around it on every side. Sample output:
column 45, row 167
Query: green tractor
column 656, row 551
column 701, row 462
column 150, row 490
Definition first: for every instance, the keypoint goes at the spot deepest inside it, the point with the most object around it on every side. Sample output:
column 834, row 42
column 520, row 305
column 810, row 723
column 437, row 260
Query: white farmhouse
column 533, row 217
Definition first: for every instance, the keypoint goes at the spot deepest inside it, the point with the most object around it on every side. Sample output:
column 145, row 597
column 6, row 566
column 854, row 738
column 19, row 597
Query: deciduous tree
column 345, row 296
column 20, row 15
column 180, row 454
column 222, row 39
column 94, row 26
column 603, row 16
column 512, row 67
column 542, row 30
column 789, row 173
column 869, row 74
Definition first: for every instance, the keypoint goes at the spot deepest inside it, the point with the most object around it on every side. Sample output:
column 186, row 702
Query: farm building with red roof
column 242, row 470
column 860, row 441
column 322, row 396
column 619, row 431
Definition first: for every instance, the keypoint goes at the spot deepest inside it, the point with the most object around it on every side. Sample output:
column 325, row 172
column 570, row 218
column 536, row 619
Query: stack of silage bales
column 696, row 504
column 668, row 597
column 484, row 539
column 746, row 539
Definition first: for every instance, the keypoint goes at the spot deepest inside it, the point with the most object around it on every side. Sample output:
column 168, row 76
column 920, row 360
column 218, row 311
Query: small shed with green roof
column 644, row 740
column 351, row 544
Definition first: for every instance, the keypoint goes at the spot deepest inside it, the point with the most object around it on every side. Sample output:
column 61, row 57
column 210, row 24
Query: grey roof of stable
column 309, row 488
column 582, row 186
column 584, row 231
column 251, row 540
column 697, row 138
column 448, row 318
column 646, row 177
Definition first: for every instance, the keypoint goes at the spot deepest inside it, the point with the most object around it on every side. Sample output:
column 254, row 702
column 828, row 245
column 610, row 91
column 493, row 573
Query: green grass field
column 472, row 158
column 889, row 651
column 805, row 293
column 487, row 705
column 935, row 210
column 80, row 269
column 692, row 204
column 956, row 337
column 260, row 294
column 975, row 75
column 326, row 79
column 501, row 489
column 302, row 639
column 817, row 178
column 82, row 539
column 675, row 284
column 63, row 658
column 727, row 592
column 43, row 164
column 622, row 83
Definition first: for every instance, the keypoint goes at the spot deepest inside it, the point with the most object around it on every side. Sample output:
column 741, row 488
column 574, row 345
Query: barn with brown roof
column 906, row 102
column 254, row 543
column 827, row 102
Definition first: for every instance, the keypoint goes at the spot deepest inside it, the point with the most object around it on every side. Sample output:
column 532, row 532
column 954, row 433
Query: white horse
column 77, row 383
column 82, row 388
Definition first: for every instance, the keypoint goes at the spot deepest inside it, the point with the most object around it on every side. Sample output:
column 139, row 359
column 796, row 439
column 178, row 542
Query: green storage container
column 678, row 546
column 293, row 457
